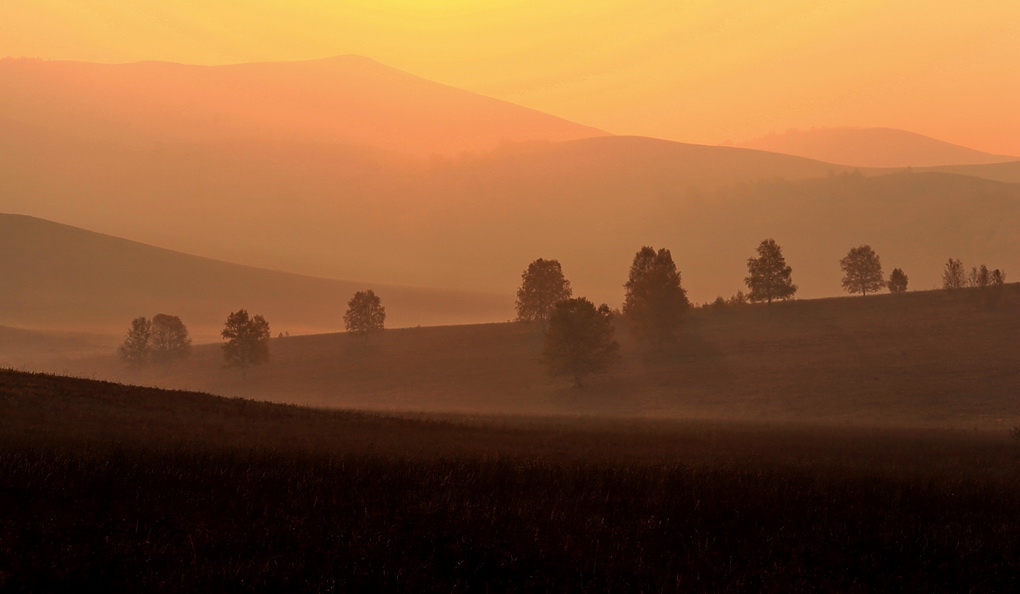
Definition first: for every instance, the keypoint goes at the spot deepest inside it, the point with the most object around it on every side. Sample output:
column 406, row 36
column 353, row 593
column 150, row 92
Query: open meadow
column 919, row 359
column 851, row 445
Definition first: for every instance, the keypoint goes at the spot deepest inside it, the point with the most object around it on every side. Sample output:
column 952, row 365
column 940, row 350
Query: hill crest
column 872, row 147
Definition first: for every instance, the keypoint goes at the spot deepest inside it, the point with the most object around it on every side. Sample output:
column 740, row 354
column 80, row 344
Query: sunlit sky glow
column 697, row 71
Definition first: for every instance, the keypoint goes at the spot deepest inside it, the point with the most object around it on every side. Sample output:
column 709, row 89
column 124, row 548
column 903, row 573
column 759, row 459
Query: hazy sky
column 704, row 71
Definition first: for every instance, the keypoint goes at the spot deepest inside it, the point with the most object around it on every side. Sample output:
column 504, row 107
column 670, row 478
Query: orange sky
column 698, row 70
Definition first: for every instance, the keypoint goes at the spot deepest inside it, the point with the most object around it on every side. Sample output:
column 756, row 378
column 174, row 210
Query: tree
column 542, row 286
column 897, row 281
column 365, row 314
column 169, row 340
column 135, row 348
column 655, row 301
column 580, row 339
column 952, row 276
column 768, row 275
column 247, row 341
column 862, row 271
column 980, row 277
column 998, row 278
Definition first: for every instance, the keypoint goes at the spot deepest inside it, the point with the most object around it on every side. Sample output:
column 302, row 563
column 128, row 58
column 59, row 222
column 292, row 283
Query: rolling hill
column 348, row 100
column 58, row 277
column 927, row 358
column 278, row 196
column 872, row 147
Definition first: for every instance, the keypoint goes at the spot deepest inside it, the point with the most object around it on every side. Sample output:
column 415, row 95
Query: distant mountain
column 469, row 223
column 60, row 277
column 872, row 147
column 344, row 100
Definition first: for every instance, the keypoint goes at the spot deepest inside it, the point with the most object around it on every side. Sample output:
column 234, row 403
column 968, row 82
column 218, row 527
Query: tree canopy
column 952, row 275
column 247, row 341
column 542, row 286
column 655, row 302
column 365, row 314
column 169, row 338
column 862, row 271
column 135, row 348
column 580, row 339
column 163, row 339
column 897, row 281
column 768, row 275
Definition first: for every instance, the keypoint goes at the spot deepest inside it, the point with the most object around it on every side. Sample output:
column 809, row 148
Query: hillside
column 872, row 147
column 347, row 100
column 62, row 278
column 919, row 359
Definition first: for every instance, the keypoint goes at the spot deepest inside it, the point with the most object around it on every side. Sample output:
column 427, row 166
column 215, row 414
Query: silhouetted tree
column 365, row 314
column 862, row 271
column 135, row 348
column 580, row 339
column 768, row 275
column 897, row 281
column 952, row 276
column 738, row 298
column 169, row 340
column 980, row 277
column 655, row 301
column 247, row 341
column 998, row 278
column 542, row 286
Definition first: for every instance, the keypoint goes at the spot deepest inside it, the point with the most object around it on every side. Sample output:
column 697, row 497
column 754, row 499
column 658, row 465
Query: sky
column 698, row 71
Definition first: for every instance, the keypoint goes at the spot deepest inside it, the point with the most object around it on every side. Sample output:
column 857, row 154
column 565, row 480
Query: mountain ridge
column 872, row 147
column 349, row 99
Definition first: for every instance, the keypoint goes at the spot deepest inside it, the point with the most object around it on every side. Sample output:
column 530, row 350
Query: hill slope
column 343, row 100
column 927, row 358
column 872, row 147
column 61, row 277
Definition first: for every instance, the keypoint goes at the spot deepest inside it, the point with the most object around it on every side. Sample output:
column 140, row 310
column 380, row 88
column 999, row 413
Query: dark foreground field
column 110, row 487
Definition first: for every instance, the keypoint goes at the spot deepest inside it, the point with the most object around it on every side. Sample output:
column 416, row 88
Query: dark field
column 123, row 488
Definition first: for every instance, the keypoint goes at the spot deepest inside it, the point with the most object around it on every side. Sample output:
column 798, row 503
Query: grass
column 933, row 359
column 118, row 487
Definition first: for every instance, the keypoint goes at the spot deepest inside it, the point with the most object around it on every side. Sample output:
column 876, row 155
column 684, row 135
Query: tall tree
column 135, row 348
column 365, row 314
column 542, row 286
column 897, row 281
column 655, row 302
column 862, row 271
column 247, row 341
column 768, row 275
column 952, row 275
column 169, row 339
column 980, row 277
column 580, row 339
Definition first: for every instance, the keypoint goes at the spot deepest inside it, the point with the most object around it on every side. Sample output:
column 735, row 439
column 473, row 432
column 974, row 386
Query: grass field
column 851, row 445
column 124, row 488
column 932, row 358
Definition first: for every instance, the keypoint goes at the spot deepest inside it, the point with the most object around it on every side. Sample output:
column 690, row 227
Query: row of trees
column 165, row 338
column 955, row 277
column 579, row 337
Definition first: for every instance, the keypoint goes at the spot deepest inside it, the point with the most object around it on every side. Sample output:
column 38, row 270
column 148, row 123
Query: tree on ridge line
column 247, row 341
column 862, row 270
column 542, row 286
column 365, row 314
column 768, row 274
column 655, row 302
